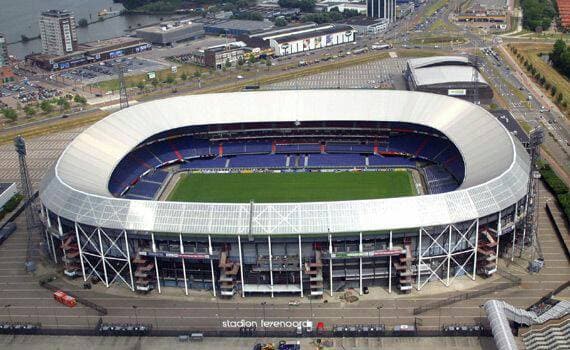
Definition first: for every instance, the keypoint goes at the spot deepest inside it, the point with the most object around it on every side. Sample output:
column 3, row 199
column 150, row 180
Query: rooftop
column 57, row 13
column 4, row 186
column 445, row 74
column 236, row 24
column 320, row 30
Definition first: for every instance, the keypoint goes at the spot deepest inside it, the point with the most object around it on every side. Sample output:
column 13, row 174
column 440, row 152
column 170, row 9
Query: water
column 19, row 17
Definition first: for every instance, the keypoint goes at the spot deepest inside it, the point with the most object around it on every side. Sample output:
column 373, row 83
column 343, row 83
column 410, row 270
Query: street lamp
column 379, row 307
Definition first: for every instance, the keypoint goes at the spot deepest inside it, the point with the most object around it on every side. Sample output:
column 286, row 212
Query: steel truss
column 441, row 250
column 95, row 246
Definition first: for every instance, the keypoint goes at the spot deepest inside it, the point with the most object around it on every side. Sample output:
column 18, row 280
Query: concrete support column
column 211, row 252
column 155, row 263
column 419, row 256
column 183, row 265
column 449, row 247
column 499, row 230
column 360, row 275
column 270, row 264
column 390, row 266
column 475, row 249
column 330, row 263
column 300, row 266
column 241, row 268
column 514, row 231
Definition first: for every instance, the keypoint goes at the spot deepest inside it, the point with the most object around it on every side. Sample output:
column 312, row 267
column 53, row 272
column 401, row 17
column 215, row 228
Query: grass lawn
column 292, row 187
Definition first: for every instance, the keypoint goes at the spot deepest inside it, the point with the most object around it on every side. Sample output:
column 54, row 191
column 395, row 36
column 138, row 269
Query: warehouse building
column 89, row 53
column 236, row 27
column 171, row 32
column 303, row 38
column 447, row 75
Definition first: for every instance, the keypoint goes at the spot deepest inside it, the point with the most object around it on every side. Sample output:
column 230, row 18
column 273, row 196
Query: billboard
column 456, row 92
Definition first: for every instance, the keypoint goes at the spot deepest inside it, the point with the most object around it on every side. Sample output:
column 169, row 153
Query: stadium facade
column 105, row 218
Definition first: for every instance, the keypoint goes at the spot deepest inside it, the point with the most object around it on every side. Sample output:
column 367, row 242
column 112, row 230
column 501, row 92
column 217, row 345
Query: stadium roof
column 445, row 75
column 496, row 165
column 437, row 60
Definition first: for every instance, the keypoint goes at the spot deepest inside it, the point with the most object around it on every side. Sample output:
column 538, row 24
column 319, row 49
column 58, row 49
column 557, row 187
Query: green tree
column 29, row 110
column 82, row 23
column 46, row 106
column 184, row 76
column 280, row 22
column 62, row 103
column 80, row 99
column 10, row 114
column 240, row 61
column 227, row 64
column 553, row 89
column 154, row 82
column 197, row 74
column 141, row 85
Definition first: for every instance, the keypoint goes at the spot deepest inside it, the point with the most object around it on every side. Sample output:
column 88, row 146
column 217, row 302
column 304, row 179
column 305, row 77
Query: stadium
column 287, row 193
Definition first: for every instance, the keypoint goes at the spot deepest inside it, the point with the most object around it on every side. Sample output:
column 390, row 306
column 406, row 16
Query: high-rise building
column 381, row 9
column 58, row 33
column 3, row 51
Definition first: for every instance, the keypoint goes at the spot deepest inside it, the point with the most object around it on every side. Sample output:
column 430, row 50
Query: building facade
column 381, row 9
column 3, row 51
column 58, row 33
column 169, row 33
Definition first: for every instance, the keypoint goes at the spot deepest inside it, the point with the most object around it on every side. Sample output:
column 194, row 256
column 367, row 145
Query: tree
column 141, row 85
column 553, row 89
column 228, row 64
column 62, row 103
column 46, row 106
column 280, row 22
column 184, row 76
column 560, row 98
column 241, row 61
column 154, row 83
column 30, row 111
column 197, row 74
column 80, row 99
column 82, row 23
column 10, row 114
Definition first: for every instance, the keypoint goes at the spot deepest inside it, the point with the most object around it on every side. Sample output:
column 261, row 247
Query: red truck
column 65, row 299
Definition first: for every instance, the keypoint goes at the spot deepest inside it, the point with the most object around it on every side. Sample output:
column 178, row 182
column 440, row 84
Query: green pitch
column 292, row 187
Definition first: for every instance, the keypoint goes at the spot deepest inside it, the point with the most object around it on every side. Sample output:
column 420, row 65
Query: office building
column 58, row 33
column 381, row 9
column 3, row 51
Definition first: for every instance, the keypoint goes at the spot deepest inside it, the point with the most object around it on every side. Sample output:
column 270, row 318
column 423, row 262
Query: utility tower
column 531, row 221
column 123, row 97
column 28, row 192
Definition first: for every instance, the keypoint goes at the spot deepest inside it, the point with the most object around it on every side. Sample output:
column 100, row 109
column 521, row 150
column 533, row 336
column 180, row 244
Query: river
column 19, row 17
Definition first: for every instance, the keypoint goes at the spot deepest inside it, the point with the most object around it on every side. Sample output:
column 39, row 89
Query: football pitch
column 292, row 187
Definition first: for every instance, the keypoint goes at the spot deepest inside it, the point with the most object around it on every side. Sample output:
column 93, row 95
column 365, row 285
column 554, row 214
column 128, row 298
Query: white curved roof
column 496, row 165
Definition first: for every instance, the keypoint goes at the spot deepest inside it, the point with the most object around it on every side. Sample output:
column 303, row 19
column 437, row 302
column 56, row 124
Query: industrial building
column 367, row 26
column 171, row 32
column 447, row 75
column 3, row 51
column 104, row 220
column 90, row 52
column 58, row 33
column 302, row 38
column 236, row 27
column 220, row 55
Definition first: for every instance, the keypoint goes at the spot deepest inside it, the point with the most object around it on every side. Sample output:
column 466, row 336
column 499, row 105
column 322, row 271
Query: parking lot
column 382, row 74
column 107, row 70
column 24, row 92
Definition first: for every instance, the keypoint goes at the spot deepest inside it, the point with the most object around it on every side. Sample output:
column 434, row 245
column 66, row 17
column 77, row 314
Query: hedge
column 557, row 186
column 11, row 205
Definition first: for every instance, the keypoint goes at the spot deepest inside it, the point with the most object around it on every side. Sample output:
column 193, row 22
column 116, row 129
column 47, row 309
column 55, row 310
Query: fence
column 512, row 281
